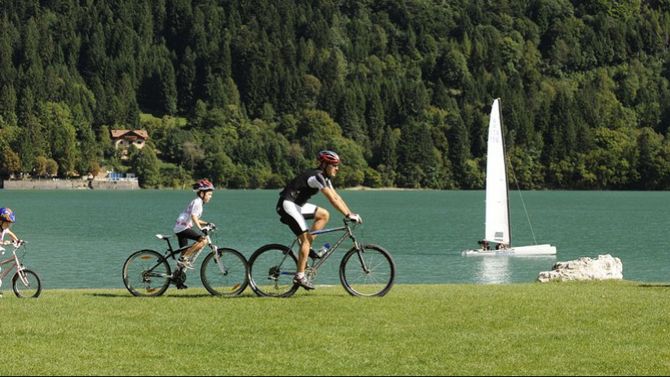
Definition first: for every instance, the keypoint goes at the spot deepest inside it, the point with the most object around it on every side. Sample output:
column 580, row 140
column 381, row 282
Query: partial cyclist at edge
column 294, row 210
column 7, row 218
column 188, row 221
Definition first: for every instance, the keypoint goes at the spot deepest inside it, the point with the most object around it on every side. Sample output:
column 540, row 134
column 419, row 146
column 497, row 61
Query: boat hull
column 544, row 249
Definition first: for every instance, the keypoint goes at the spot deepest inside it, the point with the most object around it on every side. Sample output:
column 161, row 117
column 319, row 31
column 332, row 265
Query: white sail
column 498, row 228
column 497, row 208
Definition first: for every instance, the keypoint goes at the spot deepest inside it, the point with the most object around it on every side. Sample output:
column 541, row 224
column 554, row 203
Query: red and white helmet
column 203, row 185
column 328, row 157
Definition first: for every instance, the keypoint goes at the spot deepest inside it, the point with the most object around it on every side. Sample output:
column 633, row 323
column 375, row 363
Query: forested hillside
column 246, row 92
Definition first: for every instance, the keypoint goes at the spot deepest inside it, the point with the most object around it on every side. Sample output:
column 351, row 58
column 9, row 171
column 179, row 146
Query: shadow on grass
column 655, row 286
column 300, row 295
column 168, row 294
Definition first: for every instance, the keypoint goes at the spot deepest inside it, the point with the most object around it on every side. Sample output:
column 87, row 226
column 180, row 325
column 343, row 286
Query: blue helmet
column 6, row 214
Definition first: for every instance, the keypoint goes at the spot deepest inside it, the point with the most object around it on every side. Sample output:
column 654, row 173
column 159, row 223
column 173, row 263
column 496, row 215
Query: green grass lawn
column 585, row 328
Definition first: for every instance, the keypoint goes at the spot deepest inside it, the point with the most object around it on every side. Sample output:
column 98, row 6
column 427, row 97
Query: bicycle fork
column 22, row 276
column 217, row 259
column 360, row 250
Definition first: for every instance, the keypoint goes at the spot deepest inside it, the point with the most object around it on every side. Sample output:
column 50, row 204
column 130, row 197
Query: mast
column 502, row 136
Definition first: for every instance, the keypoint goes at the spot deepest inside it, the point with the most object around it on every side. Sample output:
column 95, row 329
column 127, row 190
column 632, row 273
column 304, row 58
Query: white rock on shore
column 604, row 267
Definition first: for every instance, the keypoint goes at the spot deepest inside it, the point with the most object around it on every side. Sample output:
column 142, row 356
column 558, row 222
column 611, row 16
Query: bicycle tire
column 28, row 286
column 146, row 273
column 379, row 277
column 267, row 277
column 229, row 279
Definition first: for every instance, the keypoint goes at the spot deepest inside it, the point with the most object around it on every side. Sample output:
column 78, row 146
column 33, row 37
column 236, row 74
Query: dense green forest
column 246, row 92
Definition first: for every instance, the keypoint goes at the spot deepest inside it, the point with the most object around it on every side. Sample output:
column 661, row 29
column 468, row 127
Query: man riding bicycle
column 190, row 219
column 293, row 208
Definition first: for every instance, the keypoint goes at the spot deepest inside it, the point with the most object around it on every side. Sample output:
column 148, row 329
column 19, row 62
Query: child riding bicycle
column 187, row 221
column 7, row 218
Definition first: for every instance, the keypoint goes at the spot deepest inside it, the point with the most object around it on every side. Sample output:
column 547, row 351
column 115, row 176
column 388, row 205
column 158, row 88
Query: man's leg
column 294, row 216
column 321, row 218
column 305, row 244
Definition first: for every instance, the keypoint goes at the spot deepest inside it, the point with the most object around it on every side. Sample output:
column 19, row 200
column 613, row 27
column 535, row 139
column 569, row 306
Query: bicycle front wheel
column 224, row 273
column 369, row 271
column 271, row 271
column 26, row 283
column 146, row 273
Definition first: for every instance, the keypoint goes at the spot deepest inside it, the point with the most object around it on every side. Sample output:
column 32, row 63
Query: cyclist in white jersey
column 293, row 208
column 189, row 220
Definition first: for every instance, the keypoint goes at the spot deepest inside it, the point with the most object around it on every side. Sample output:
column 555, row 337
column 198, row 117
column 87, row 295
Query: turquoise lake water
column 80, row 239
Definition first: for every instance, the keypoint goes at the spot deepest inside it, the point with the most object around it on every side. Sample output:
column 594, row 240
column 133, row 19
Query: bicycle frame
column 14, row 262
column 223, row 271
column 170, row 252
column 348, row 233
column 364, row 269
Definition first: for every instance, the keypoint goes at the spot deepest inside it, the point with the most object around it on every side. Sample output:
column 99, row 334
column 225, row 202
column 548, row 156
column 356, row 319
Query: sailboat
column 498, row 228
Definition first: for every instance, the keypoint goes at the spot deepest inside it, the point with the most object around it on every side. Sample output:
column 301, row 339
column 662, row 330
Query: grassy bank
column 601, row 328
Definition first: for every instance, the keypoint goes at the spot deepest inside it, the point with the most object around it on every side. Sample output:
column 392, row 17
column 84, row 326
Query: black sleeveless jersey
column 304, row 186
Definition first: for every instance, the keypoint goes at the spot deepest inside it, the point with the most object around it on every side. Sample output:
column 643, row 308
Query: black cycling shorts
column 188, row 234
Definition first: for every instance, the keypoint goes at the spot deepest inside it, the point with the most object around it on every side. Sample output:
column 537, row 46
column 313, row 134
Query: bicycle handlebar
column 16, row 244
column 208, row 228
column 346, row 220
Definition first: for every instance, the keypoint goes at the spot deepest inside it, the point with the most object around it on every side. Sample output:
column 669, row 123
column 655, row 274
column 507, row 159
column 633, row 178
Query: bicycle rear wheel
column 146, row 273
column 271, row 271
column 225, row 274
column 26, row 283
column 369, row 271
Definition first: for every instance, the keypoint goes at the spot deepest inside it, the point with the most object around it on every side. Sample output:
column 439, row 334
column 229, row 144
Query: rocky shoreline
column 70, row 184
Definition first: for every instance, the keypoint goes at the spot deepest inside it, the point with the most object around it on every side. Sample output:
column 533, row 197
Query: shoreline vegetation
column 367, row 188
column 570, row 328
column 247, row 95
column 69, row 184
column 81, row 184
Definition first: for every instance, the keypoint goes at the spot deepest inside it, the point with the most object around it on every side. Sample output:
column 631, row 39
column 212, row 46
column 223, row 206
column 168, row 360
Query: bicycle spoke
column 272, row 271
column 224, row 273
column 367, row 273
column 26, row 283
column 146, row 273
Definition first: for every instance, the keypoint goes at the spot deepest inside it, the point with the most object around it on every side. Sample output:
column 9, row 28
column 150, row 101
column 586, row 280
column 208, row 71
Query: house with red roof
column 123, row 139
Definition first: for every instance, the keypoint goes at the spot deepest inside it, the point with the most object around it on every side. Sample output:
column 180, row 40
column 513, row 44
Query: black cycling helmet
column 328, row 157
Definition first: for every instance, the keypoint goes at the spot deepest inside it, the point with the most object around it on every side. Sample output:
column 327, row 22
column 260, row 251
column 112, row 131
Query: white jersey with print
column 185, row 221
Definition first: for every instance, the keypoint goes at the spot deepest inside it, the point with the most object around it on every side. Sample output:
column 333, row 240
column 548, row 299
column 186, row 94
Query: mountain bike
column 365, row 270
column 25, row 282
column 223, row 272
